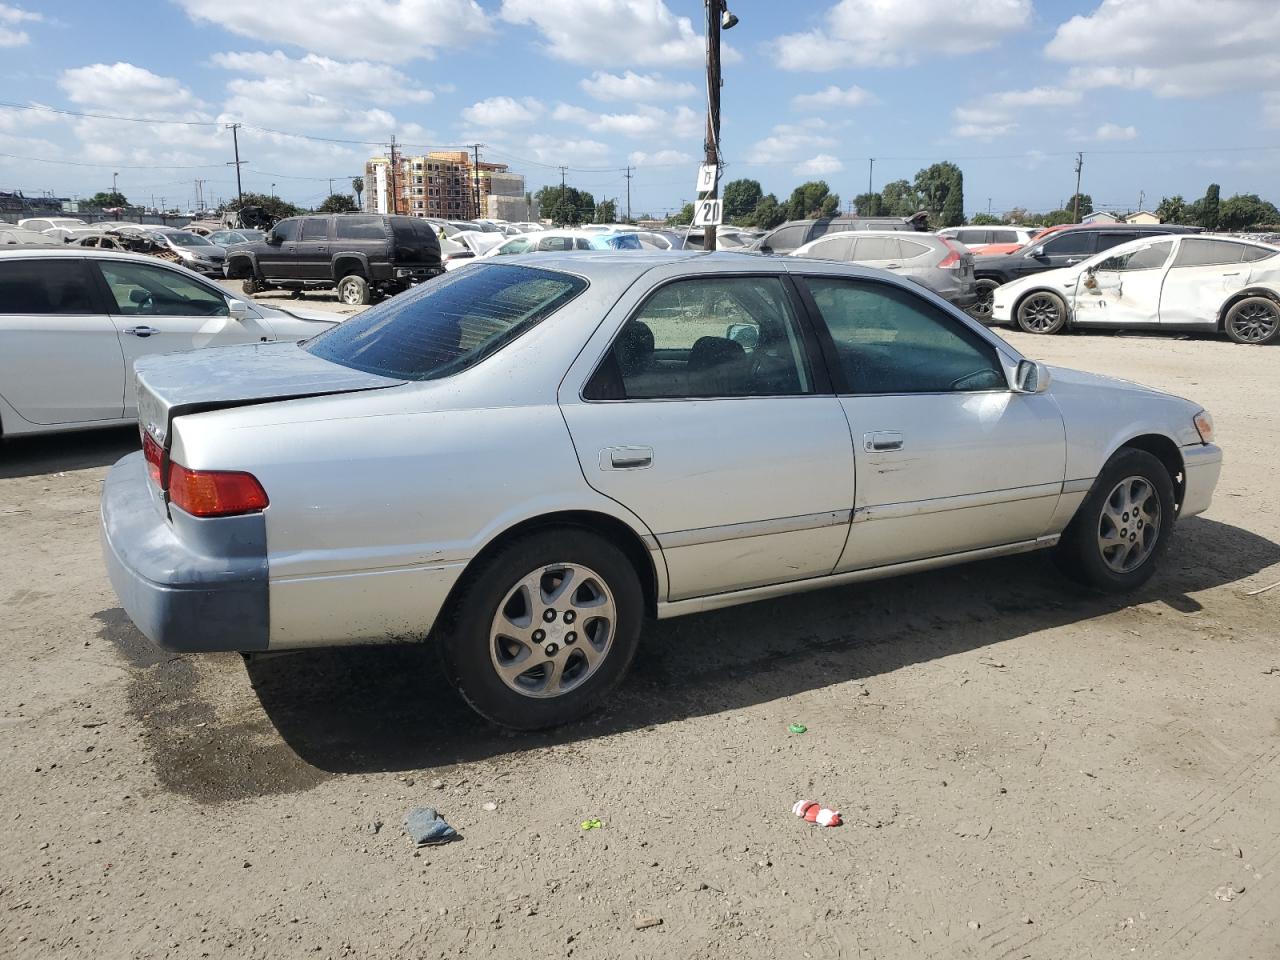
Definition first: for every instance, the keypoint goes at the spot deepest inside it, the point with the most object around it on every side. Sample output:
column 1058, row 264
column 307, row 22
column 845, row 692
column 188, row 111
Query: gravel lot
column 1025, row 769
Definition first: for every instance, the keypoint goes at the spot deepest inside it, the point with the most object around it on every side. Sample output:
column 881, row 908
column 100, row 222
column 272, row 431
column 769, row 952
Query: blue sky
column 1162, row 96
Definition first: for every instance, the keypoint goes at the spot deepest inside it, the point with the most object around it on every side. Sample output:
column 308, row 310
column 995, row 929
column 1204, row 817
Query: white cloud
column 128, row 90
column 646, row 121
column 10, row 17
column 502, row 112
column 788, row 142
column 386, row 30
column 12, row 119
column 821, row 165
column 1172, row 48
column 832, row 97
column 557, row 150
column 314, row 75
column 614, row 32
column 891, row 32
column 982, row 131
column 644, row 87
column 1113, row 131
column 994, row 115
column 663, row 158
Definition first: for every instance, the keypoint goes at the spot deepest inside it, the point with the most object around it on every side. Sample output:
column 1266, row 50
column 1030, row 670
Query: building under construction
column 451, row 185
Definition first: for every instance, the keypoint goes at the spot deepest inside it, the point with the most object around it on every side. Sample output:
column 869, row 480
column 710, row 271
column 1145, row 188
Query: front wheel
column 545, row 630
column 252, row 286
column 1042, row 312
column 985, row 290
column 353, row 290
column 1117, row 537
column 1254, row 320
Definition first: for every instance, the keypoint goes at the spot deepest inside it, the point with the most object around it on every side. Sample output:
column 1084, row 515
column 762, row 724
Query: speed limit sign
column 708, row 213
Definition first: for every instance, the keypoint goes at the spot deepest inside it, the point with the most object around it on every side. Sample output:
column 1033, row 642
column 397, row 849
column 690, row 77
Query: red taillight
column 154, row 454
column 952, row 259
column 215, row 493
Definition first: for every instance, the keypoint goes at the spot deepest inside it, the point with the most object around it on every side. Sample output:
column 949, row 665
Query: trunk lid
column 215, row 378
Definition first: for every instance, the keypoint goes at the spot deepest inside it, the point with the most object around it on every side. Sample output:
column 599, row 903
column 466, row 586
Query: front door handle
column 143, row 331
column 879, row 441
column 1072, row 261
column 626, row 458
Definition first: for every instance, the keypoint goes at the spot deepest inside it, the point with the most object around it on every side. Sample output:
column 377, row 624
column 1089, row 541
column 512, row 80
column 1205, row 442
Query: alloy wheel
column 1040, row 313
column 1129, row 527
column 1256, row 322
column 553, row 630
column 985, row 302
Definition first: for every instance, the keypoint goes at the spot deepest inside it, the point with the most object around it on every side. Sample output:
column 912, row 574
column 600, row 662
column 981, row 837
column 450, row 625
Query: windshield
column 189, row 240
column 622, row 241
column 449, row 324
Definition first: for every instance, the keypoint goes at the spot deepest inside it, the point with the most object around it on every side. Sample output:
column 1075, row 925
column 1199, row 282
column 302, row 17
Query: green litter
column 797, row 728
column 592, row 824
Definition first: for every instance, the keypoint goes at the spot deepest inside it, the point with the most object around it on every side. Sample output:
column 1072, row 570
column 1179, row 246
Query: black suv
column 796, row 233
column 1060, row 247
column 363, row 255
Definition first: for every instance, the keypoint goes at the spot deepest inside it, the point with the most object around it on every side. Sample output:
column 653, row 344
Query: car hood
column 215, row 378
column 1061, row 279
column 1072, row 379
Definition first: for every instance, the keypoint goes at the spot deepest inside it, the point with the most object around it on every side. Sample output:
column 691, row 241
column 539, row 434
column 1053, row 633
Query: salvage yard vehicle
column 1193, row 283
column 73, row 321
column 363, row 256
column 565, row 241
column 935, row 262
column 523, row 459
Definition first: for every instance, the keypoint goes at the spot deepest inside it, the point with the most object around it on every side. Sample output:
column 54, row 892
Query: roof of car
column 72, row 250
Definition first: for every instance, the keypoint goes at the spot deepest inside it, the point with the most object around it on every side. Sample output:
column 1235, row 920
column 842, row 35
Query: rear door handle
column 143, row 331
column 878, row 441
column 626, row 458
column 1234, row 273
column 893, row 266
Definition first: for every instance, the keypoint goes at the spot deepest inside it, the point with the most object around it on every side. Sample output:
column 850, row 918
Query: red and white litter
column 814, row 813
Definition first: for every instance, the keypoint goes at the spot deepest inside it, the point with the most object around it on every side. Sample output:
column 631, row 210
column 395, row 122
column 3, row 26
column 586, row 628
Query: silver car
column 523, row 460
column 939, row 263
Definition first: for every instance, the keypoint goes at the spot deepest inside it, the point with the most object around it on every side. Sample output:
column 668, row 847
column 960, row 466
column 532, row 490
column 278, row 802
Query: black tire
column 472, row 649
column 1081, row 555
column 353, row 290
column 1041, row 311
column 1253, row 320
column 252, row 286
column 985, row 289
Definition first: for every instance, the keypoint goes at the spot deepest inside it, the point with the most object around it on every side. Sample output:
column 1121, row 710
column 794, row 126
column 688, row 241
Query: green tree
column 1172, row 209
column 1017, row 215
column 740, row 198
column 869, row 204
column 337, row 203
column 953, row 205
column 683, row 216
column 812, row 199
column 110, row 198
column 899, row 199
column 767, row 214
column 1086, row 204
column 985, row 220
column 273, row 206
column 1208, row 212
column 1055, row 217
column 1246, row 210
column 566, row 205
column 357, row 185
column 934, row 184
column 607, row 211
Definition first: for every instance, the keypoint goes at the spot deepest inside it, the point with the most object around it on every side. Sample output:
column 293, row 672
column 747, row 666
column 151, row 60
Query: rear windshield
column 447, row 324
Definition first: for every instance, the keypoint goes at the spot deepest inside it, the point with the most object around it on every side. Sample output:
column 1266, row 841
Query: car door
column 313, row 261
column 60, row 359
column 1204, row 273
column 1124, row 289
column 277, row 257
column 710, row 418
column 949, row 459
column 158, row 309
column 1064, row 249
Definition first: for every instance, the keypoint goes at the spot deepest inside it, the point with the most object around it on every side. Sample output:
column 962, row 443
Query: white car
column 1180, row 282
column 465, row 245
column 73, row 321
column 566, row 241
column 41, row 224
column 522, row 460
column 978, row 238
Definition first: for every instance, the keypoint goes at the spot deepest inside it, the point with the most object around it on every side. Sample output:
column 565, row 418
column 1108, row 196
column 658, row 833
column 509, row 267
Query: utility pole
column 331, row 186
column 113, row 183
column 562, row 171
column 628, row 175
column 988, row 206
column 1075, row 214
column 394, row 163
column 871, row 166
column 1142, row 196
column 715, row 9
column 237, row 163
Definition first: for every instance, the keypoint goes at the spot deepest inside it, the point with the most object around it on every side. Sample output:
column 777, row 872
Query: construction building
column 449, row 185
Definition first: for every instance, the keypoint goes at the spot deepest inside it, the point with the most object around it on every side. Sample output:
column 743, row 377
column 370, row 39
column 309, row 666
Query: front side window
column 1071, row 242
column 141, row 289
column 45, row 287
column 518, row 245
column 556, row 243
column 1150, row 257
column 715, row 337
column 445, row 326
column 286, row 230
column 890, row 341
column 787, row 238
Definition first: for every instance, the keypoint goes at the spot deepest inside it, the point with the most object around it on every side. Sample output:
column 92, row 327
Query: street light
column 728, row 20
column 273, row 191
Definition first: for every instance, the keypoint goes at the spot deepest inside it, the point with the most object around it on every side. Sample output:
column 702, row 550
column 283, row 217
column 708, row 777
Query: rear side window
column 449, row 324
column 315, row 228
column 1004, row 236
column 359, row 228
column 875, row 248
column 911, row 249
column 53, row 286
column 1207, row 253
column 1252, row 253
column 626, row 241
column 787, row 238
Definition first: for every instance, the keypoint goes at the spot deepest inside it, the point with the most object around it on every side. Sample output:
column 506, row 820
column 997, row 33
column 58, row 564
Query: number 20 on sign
column 707, row 213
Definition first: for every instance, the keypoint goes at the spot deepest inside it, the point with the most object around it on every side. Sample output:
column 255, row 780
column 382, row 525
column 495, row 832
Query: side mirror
column 274, row 239
column 1031, row 376
column 237, row 309
column 1038, row 252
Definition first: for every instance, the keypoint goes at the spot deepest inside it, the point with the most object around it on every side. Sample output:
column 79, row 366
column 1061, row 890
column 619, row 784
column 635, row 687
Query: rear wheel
column 1253, row 320
column 353, row 290
column 1042, row 312
column 986, row 293
column 545, row 630
column 1117, row 537
column 252, row 286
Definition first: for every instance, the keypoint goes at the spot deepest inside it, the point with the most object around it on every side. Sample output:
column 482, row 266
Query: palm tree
column 357, row 184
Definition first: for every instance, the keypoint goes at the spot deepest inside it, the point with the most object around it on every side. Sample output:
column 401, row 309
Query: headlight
column 1204, row 426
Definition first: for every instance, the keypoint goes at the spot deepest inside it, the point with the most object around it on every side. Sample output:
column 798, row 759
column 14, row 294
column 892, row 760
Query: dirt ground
column 1025, row 769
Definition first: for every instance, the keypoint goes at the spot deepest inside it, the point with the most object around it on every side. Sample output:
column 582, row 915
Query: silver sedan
column 522, row 460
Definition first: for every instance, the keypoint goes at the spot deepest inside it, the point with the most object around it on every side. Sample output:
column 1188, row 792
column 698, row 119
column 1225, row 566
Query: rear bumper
column 193, row 586
column 1202, row 464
